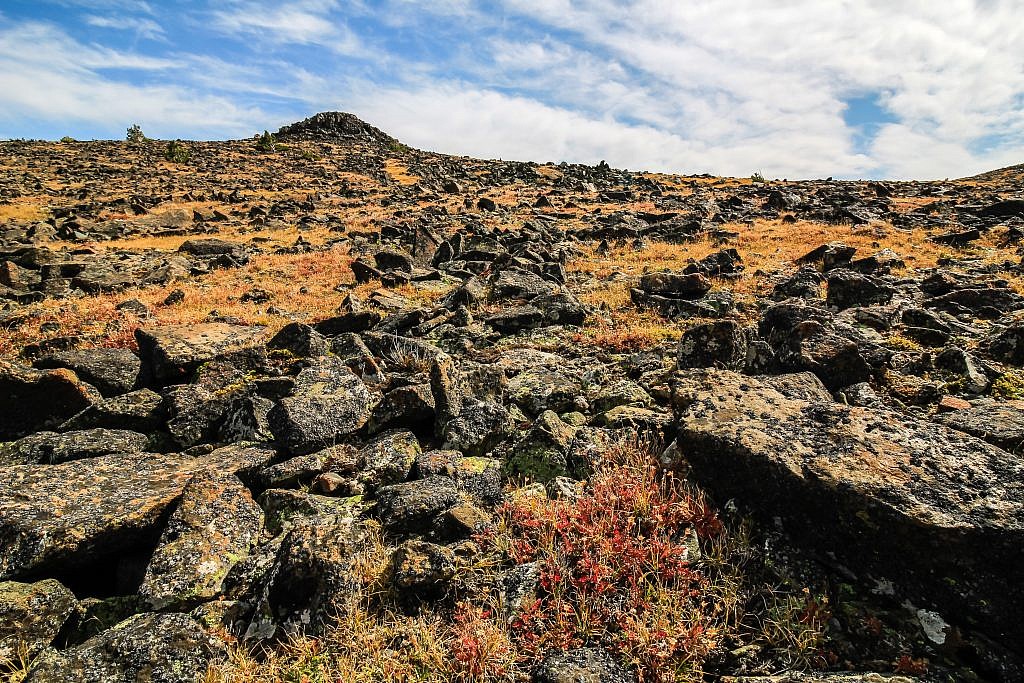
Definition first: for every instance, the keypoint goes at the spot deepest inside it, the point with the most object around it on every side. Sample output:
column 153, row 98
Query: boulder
column 171, row 354
column 112, row 371
column 387, row 459
column 329, row 401
column 940, row 512
column 31, row 616
column 541, row 455
column 479, row 427
column 1000, row 424
column 160, row 648
column 52, row 448
column 421, row 566
column 88, row 512
column 213, row 526
column 847, row 288
column 721, row 344
column 411, row 507
column 140, row 411
column 675, row 285
column 582, row 665
column 31, row 399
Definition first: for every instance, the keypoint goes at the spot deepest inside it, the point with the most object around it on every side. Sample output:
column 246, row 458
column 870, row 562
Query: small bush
column 177, row 152
column 135, row 134
column 68, row 139
column 397, row 147
column 266, row 142
column 1009, row 386
column 757, row 177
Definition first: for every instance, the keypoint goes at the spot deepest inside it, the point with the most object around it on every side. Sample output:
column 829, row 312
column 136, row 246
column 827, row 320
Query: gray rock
column 1000, row 424
column 675, row 285
column 847, row 288
column 31, row 616
column 212, row 528
column 112, row 371
column 410, row 507
column 420, row 565
column 329, row 402
column 79, row 513
column 171, row 354
column 52, row 448
column 31, row 399
column 542, row 454
column 720, row 344
column 139, row 411
column 940, row 512
column 388, row 459
column 583, row 665
column 478, row 429
column 156, row 648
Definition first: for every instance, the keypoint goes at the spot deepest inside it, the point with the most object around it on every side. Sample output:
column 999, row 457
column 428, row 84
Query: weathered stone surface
column 1000, row 424
column 139, row 411
column 479, row 428
column 721, row 344
column 676, row 285
column 31, row 616
column 542, row 454
column 421, row 565
column 938, row 511
column 82, row 512
column 329, row 402
column 212, row 528
column 172, row 353
column 411, row 506
column 311, row 576
column 156, row 648
column 388, row 459
column 112, row 371
column 847, row 288
column 31, row 400
column 284, row 506
column 52, row 448
column 583, row 665
column 823, row 678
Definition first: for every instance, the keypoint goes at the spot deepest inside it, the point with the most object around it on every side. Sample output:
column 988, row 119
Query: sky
column 912, row 89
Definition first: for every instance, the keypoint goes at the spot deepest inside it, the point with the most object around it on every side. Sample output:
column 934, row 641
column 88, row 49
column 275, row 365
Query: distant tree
column 266, row 142
column 67, row 138
column 135, row 134
column 758, row 177
column 177, row 152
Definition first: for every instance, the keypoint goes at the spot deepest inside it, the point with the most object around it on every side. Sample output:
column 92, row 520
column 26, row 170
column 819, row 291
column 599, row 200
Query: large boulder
column 61, row 518
column 111, row 371
column 31, row 400
column 328, row 402
column 52, row 448
column 140, row 411
column 939, row 512
column 171, row 354
column 722, row 343
column 212, row 528
column 31, row 616
column 157, row 648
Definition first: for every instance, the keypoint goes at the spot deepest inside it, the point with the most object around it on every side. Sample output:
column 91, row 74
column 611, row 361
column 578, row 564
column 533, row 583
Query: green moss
column 1009, row 386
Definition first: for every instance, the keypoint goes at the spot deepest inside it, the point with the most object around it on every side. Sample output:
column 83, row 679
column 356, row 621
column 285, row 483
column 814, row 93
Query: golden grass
column 400, row 173
column 26, row 210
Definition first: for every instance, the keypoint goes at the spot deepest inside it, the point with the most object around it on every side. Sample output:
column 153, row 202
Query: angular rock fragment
column 31, row 616
column 172, row 353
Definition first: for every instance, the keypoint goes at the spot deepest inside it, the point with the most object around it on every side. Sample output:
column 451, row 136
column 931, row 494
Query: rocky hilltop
column 327, row 407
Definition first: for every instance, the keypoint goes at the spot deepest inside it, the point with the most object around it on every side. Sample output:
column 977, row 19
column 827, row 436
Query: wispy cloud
column 305, row 22
column 140, row 26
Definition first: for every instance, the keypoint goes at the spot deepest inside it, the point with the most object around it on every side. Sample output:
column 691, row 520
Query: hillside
column 327, row 407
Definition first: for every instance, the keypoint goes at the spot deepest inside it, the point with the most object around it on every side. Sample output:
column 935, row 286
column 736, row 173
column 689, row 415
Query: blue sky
column 789, row 88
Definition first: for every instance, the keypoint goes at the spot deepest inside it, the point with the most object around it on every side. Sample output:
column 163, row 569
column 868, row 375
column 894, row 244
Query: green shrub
column 67, row 139
column 758, row 177
column 266, row 142
column 135, row 134
column 1009, row 386
column 177, row 152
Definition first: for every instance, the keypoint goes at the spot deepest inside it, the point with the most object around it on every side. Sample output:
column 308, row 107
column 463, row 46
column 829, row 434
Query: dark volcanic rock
column 139, row 411
column 31, row 400
column 157, row 648
column 584, row 665
column 84, row 512
column 329, row 402
column 31, row 616
column 676, row 285
column 936, row 510
column 111, row 371
column 847, row 288
column 171, row 354
column 721, row 344
column 51, row 448
column 212, row 528
column 1001, row 424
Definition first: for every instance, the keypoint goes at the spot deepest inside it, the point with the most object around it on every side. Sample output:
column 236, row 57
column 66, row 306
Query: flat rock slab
column 1001, row 424
column 937, row 510
column 58, row 517
column 31, row 400
column 171, row 354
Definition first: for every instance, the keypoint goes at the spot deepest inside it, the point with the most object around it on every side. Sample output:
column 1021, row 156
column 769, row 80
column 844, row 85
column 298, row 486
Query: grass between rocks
column 637, row 563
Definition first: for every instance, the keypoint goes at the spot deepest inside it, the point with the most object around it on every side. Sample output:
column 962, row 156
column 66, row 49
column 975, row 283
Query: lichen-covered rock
column 282, row 506
column 540, row 389
column 388, row 459
column 421, row 565
column 583, row 665
column 156, row 648
column 31, row 400
column 301, row 469
column 1001, row 424
column 796, row 677
column 31, row 616
column 411, row 506
column 478, row 429
column 311, row 577
column 212, row 528
column 675, row 285
column 172, row 353
column 542, row 454
column 719, row 344
column 139, row 411
column 52, row 448
column 847, row 288
column 78, row 513
column 112, row 371
column 938, row 511
column 329, row 401
column 411, row 406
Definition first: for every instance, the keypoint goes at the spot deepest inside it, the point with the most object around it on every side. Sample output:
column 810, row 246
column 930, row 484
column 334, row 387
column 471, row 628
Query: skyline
column 790, row 88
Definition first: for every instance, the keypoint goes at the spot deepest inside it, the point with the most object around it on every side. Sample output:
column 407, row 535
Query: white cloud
column 140, row 26
column 46, row 75
column 304, row 22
